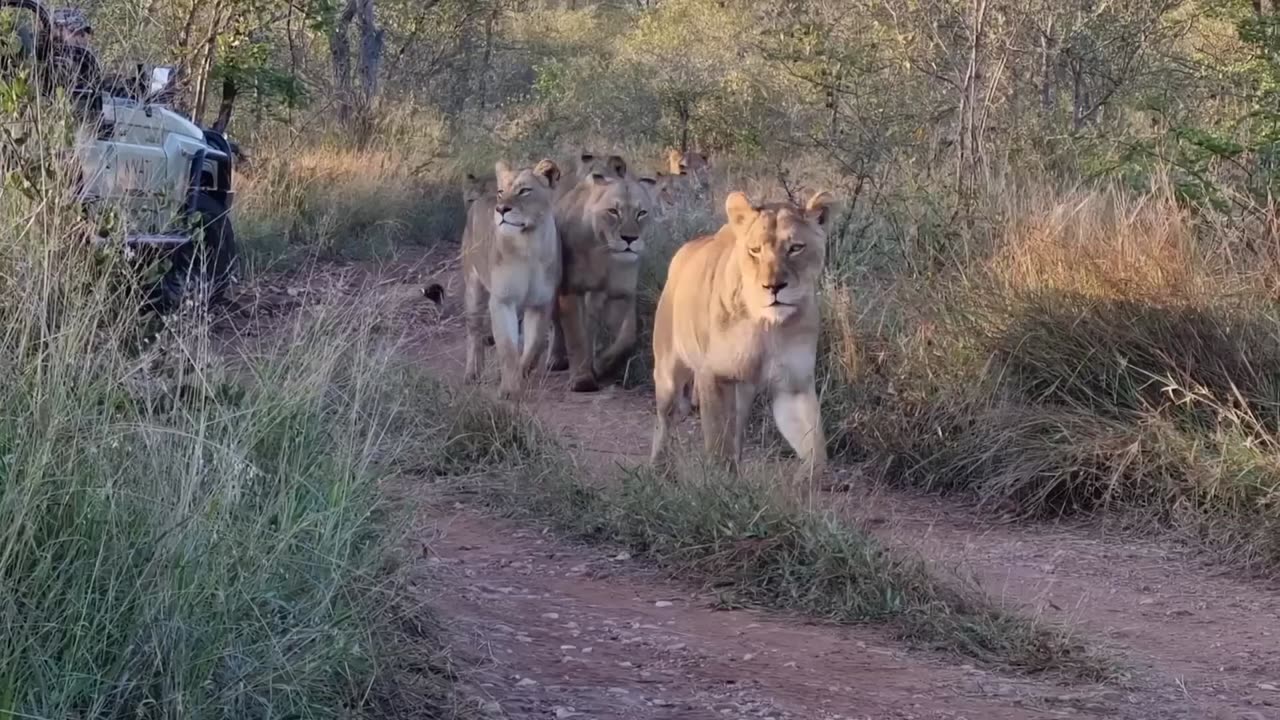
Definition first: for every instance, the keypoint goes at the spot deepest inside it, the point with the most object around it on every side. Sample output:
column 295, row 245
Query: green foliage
column 1229, row 160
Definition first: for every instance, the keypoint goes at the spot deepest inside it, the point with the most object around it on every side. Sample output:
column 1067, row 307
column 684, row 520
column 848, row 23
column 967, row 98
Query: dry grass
column 305, row 199
column 1103, row 352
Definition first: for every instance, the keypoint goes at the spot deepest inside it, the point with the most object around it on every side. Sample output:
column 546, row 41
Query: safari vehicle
column 166, row 178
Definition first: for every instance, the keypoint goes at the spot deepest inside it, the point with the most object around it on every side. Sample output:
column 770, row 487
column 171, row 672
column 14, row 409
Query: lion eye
column 754, row 251
column 524, row 191
column 640, row 215
column 797, row 247
column 613, row 212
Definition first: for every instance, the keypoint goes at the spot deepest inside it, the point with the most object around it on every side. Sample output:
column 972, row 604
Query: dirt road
column 555, row 630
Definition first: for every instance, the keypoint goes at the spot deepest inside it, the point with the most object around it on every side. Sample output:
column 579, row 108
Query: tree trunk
column 363, row 13
column 371, row 43
column 229, row 92
column 1048, row 64
column 685, row 115
column 340, row 54
column 205, row 67
column 969, row 134
column 487, row 58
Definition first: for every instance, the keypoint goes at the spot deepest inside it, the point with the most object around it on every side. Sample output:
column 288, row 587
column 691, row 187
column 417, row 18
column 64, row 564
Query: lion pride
column 739, row 315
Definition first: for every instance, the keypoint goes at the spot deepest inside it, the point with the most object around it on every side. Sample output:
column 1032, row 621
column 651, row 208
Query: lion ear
column 548, row 170
column 617, row 165
column 502, row 171
column 819, row 208
column 740, row 211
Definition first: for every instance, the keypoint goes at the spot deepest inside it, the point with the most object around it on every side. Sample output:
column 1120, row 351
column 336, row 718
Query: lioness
column 588, row 163
column 690, row 173
column 511, row 262
column 601, row 224
column 688, row 163
column 474, row 188
column 747, row 320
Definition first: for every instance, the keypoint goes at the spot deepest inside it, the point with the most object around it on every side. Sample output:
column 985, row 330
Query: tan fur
column 739, row 314
column 683, row 182
column 474, row 188
column 687, row 163
column 511, row 264
column 601, row 223
column 588, row 163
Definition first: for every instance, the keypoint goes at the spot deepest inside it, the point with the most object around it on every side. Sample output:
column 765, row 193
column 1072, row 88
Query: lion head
column 524, row 196
column 474, row 188
column 780, row 252
column 590, row 163
column 619, row 211
column 694, row 166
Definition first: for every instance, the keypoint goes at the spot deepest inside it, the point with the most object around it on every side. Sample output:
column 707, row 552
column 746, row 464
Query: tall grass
column 184, row 537
column 315, row 195
column 1100, row 352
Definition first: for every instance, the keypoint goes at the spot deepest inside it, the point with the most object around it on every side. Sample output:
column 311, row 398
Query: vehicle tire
column 204, row 267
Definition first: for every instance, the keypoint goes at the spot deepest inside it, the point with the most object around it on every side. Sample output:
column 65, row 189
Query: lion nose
column 628, row 239
column 776, row 287
column 504, row 209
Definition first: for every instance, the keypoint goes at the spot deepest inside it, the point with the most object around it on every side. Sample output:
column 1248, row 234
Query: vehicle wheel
column 204, row 268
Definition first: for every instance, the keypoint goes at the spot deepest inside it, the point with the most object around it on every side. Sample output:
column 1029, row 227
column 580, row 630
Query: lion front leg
column 536, row 320
column 624, row 341
column 505, row 320
column 799, row 419
column 744, row 395
column 575, row 322
column 719, row 419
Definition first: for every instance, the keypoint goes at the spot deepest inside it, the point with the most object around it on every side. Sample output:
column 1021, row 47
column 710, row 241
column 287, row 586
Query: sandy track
column 553, row 629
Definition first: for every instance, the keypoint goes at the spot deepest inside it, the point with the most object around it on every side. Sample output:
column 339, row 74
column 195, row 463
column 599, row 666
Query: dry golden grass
column 331, row 200
column 1104, row 352
column 1109, row 244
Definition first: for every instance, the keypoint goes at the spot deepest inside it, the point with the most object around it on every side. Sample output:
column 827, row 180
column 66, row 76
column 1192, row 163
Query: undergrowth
column 1102, row 357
